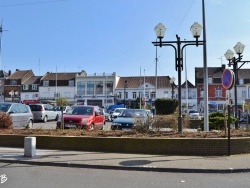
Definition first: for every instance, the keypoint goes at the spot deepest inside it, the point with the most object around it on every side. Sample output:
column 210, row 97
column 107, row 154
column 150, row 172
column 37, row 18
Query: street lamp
column 196, row 32
column 238, row 48
column 125, row 86
column 172, row 80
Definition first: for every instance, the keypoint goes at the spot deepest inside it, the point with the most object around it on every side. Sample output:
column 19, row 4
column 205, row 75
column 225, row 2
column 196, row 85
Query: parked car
column 81, row 116
column 111, row 108
column 21, row 114
column 106, row 114
column 150, row 114
column 128, row 118
column 116, row 112
column 64, row 109
column 244, row 117
column 43, row 112
column 193, row 114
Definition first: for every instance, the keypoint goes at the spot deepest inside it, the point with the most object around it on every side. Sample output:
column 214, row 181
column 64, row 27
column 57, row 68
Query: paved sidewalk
column 139, row 162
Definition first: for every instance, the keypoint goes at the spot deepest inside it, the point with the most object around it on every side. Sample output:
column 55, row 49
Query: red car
column 81, row 116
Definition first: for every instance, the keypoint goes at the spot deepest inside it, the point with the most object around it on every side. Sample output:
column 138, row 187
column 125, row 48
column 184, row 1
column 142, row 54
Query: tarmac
column 135, row 162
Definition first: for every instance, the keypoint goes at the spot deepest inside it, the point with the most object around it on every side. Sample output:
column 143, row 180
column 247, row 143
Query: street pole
column 196, row 32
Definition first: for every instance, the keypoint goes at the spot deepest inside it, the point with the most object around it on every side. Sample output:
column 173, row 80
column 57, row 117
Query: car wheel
column 45, row 119
column 30, row 124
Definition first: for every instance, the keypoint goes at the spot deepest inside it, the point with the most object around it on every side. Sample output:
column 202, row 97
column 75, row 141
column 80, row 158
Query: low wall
column 169, row 146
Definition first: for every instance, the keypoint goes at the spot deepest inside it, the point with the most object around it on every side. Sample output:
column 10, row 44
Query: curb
column 143, row 168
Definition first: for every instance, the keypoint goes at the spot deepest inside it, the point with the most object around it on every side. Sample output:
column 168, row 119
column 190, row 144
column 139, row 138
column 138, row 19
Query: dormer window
column 45, row 83
column 13, row 82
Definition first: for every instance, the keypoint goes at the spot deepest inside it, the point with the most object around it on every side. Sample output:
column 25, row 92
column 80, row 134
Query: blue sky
column 115, row 35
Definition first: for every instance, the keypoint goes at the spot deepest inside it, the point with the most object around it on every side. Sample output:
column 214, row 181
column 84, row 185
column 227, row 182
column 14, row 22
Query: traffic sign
column 228, row 79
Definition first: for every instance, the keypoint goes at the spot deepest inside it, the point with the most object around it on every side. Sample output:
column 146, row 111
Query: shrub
column 216, row 120
column 141, row 125
column 166, row 106
column 165, row 121
column 5, row 121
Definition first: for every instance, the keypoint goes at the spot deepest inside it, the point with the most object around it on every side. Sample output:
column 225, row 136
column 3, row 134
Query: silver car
column 43, row 112
column 21, row 114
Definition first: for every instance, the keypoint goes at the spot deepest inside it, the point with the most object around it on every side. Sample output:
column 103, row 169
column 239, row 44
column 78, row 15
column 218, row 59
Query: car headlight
column 114, row 123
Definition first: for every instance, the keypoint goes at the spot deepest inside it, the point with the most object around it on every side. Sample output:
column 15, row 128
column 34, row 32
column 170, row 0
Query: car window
column 81, row 111
column 23, row 108
column 4, row 107
column 14, row 108
column 35, row 107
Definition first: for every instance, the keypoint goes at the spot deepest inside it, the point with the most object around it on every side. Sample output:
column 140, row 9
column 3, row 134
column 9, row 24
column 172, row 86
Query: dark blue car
column 128, row 118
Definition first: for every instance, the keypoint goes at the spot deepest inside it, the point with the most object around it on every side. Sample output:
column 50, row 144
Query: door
column 15, row 115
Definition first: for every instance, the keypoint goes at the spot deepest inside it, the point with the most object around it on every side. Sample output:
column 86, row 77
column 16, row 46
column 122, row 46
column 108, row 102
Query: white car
column 116, row 112
column 193, row 114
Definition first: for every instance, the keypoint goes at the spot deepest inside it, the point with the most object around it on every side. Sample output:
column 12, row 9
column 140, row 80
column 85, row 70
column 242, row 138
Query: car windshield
column 4, row 107
column 118, row 110
column 83, row 110
column 132, row 113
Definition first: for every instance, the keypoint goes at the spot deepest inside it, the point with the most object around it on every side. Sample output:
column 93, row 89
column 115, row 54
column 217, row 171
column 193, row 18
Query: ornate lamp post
column 238, row 48
column 160, row 30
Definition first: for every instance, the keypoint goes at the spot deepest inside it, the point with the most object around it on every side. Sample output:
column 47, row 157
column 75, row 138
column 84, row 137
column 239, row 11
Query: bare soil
column 132, row 133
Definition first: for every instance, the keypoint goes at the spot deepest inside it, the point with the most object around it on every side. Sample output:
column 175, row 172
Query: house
column 55, row 85
column 128, row 89
column 188, row 96
column 218, row 97
column 30, row 90
column 3, row 76
column 95, row 89
column 13, row 85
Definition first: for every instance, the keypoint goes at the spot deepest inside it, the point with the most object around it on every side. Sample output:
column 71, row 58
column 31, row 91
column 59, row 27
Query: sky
column 106, row 36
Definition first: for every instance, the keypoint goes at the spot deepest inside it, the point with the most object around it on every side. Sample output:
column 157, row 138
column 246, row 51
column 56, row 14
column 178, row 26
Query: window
column 81, row 88
column 218, row 92
column 108, row 87
column 134, row 95
column 244, row 94
column 241, row 81
column 45, row 83
column 98, row 87
column 34, row 86
column 165, row 94
column 71, row 82
column 13, row 82
column 25, row 87
column 210, row 80
column 126, row 95
column 119, row 95
column 90, row 87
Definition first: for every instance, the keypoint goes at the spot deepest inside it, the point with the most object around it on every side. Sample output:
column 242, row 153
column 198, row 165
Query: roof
column 214, row 72
column 59, row 76
column 19, row 74
column 32, row 80
column 190, row 85
column 136, row 82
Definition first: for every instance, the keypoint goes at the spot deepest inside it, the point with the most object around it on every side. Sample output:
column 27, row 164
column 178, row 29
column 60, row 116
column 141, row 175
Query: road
column 52, row 125
column 18, row 175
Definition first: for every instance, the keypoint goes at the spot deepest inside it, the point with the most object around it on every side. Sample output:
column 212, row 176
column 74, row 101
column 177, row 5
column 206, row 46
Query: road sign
column 228, row 79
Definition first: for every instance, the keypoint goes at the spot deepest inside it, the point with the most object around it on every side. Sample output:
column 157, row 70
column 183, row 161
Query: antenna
column 220, row 60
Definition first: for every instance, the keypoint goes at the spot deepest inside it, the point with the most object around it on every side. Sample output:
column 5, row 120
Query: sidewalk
column 138, row 162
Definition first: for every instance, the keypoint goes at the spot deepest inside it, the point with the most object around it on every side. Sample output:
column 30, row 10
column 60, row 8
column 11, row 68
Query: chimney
column 9, row 73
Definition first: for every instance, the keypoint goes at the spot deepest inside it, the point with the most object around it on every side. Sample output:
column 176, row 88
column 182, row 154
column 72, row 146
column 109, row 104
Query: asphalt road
column 19, row 175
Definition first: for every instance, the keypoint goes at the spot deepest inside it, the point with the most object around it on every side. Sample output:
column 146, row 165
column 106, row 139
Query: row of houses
column 107, row 88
